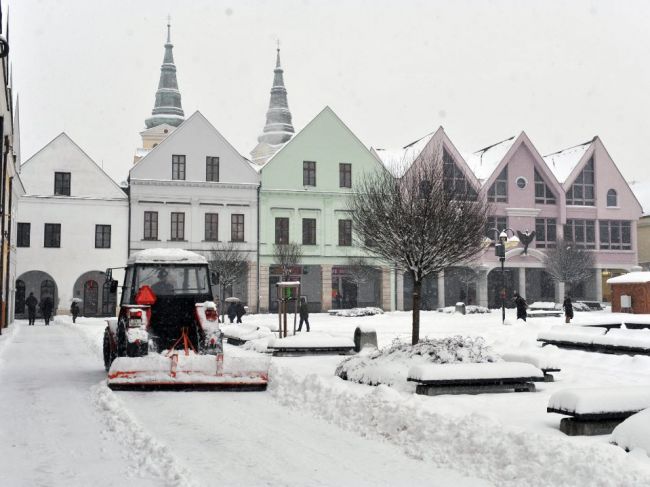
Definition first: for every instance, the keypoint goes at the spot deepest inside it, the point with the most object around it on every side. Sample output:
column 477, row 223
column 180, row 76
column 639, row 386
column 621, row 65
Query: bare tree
column 287, row 256
column 429, row 219
column 359, row 271
column 568, row 263
column 229, row 263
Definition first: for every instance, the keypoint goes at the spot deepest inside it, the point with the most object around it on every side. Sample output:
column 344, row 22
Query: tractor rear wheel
column 109, row 353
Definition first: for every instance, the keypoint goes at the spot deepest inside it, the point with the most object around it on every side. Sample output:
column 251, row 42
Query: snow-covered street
column 309, row 428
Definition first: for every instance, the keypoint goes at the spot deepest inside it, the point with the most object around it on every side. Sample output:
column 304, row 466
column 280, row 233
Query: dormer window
column 62, row 183
column 612, row 198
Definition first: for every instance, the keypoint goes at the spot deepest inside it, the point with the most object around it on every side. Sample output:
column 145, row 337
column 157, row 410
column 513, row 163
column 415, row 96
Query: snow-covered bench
column 474, row 378
column 544, row 313
column 598, row 339
column 240, row 334
column 540, row 360
column 597, row 411
column 311, row 343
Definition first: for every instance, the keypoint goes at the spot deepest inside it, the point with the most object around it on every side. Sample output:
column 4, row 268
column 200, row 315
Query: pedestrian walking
column 568, row 309
column 521, row 305
column 232, row 311
column 240, row 311
column 31, row 303
column 74, row 311
column 47, row 305
column 304, row 314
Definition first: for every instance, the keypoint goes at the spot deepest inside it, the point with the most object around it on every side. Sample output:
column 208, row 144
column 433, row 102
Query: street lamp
column 504, row 243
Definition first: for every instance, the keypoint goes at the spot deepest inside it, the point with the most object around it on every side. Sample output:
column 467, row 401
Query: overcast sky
column 392, row 70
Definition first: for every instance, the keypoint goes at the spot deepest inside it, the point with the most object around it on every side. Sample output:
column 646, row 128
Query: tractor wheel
column 109, row 353
column 121, row 339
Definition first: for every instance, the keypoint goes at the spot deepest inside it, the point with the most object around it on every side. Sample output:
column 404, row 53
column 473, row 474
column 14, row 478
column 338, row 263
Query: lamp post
column 501, row 243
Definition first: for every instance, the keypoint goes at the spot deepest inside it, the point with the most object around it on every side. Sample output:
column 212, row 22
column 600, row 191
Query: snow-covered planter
column 354, row 312
column 634, row 433
column 470, row 309
column 390, row 365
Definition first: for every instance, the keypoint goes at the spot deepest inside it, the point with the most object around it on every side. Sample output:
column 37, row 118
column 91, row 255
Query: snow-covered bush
column 577, row 306
column 390, row 365
column 470, row 309
column 634, row 433
column 354, row 312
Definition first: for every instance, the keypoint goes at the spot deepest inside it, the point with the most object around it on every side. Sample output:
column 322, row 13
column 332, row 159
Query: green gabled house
column 303, row 199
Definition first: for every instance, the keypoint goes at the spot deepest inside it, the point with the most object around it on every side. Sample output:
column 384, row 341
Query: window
column 522, row 182
column 178, row 226
column 212, row 169
column 52, row 235
column 281, row 231
column 582, row 190
column 309, row 231
column 612, row 198
column 545, row 232
column 62, row 183
column 212, row 227
column 309, row 173
column 345, row 175
column 543, row 194
column 454, row 179
column 498, row 192
column 237, row 228
column 345, row 232
column 102, row 236
column 581, row 232
column 23, row 237
column 492, row 222
column 150, row 225
column 178, row 167
column 615, row 235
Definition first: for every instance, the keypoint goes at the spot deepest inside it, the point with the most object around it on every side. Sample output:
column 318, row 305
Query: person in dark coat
column 240, row 311
column 232, row 311
column 568, row 309
column 304, row 314
column 47, row 305
column 521, row 305
column 31, row 303
column 74, row 311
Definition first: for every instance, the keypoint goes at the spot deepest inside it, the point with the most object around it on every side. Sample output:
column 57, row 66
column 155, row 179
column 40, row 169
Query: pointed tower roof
column 278, row 129
column 167, row 108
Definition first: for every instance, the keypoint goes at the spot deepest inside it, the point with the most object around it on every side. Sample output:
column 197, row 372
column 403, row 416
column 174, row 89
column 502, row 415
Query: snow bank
column 390, row 365
column 501, row 370
column 634, row 433
column 354, row 312
column 589, row 400
column 245, row 332
column 311, row 340
column 474, row 444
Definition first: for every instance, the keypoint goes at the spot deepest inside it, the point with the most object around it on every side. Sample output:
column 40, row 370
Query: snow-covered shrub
column 470, row 309
column 390, row 365
column 577, row 306
column 354, row 312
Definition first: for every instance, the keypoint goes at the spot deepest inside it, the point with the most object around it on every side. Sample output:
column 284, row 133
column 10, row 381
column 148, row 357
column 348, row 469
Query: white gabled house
column 194, row 191
column 71, row 227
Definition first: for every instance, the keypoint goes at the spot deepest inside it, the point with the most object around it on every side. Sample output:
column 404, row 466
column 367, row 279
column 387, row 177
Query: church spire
column 167, row 107
column 278, row 128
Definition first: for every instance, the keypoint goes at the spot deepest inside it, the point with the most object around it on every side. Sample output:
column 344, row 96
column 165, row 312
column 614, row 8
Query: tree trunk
column 417, row 289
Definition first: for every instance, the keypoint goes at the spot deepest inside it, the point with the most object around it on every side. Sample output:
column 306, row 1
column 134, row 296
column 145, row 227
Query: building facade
column 71, row 228
column 577, row 194
column 303, row 200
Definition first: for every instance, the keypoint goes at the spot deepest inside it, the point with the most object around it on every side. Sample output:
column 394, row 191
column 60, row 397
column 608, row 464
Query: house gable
column 62, row 154
column 196, row 139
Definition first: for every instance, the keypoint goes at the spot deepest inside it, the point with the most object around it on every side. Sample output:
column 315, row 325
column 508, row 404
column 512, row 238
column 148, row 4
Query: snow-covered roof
column 630, row 278
column 562, row 163
column 166, row 256
column 641, row 190
column 397, row 161
column 483, row 162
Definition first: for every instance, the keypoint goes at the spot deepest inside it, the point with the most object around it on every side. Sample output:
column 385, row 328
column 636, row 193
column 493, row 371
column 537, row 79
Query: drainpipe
column 259, row 186
column 128, row 230
column 6, row 314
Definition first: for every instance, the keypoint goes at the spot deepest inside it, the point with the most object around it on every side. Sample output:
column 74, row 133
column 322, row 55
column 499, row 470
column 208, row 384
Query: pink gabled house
column 577, row 194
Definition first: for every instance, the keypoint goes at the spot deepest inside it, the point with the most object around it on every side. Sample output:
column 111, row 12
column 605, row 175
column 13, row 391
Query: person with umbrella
column 74, row 309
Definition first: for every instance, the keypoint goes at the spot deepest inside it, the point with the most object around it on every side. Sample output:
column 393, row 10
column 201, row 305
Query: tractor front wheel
column 109, row 353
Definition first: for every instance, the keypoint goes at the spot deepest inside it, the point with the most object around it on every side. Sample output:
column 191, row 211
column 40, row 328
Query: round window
column 521, row 182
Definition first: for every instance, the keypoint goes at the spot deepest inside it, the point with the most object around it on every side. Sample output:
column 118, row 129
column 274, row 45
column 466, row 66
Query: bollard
column 364, row 337
column 460, row 308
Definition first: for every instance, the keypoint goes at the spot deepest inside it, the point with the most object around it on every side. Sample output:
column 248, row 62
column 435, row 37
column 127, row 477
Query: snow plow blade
column 191, row 372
